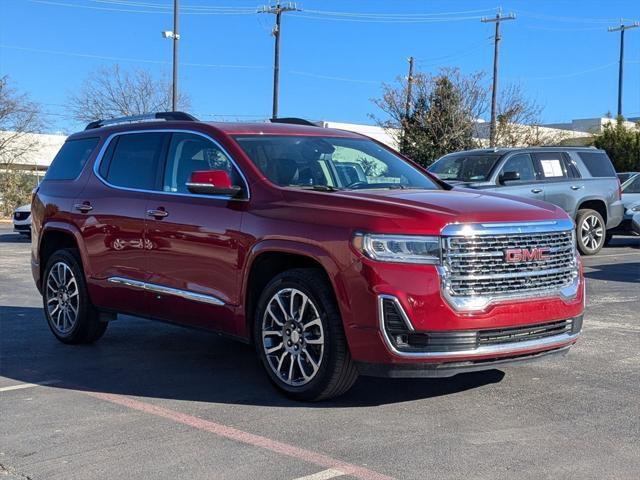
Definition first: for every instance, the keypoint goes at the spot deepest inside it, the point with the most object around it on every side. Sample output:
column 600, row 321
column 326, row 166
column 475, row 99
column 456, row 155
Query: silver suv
column 580, row 180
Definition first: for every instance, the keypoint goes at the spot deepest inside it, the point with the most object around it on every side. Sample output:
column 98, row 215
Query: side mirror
column 509, row 177
column 212, row 182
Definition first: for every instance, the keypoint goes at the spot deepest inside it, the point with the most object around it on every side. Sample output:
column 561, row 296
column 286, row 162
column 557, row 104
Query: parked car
column 631, row 203
column 624, row 176
column 582, row 181
column 22, row 220
column 270, row 234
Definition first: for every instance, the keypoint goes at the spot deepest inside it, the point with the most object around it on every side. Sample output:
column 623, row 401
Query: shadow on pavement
column 14, row 238
column 615, row 272
column 151, row 359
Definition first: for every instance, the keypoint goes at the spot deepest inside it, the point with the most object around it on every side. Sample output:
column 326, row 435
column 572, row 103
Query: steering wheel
column 357, row 184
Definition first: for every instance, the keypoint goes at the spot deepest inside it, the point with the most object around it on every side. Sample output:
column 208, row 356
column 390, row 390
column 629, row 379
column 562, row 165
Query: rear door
column 195, row 244
column 113, row 205
column 560, row 186
column 528, row 185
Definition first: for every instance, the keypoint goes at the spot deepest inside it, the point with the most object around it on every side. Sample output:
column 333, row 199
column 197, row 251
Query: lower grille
column 521, row 334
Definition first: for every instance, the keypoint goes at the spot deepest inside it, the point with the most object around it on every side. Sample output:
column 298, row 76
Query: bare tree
column 443, row 112
column 519, row 121
column 20, row 120
column 114, row 92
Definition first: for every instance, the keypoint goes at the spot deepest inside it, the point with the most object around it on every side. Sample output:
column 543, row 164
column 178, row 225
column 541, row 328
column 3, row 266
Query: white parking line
column 22, row 386
column 323, row 475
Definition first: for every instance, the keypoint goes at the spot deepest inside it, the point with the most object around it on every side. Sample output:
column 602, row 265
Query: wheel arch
column 55, row 236
column 270, row 258
column 597, row 204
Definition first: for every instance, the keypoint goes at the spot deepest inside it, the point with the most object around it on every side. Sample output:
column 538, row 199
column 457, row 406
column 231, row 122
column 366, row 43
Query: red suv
column 331, row 253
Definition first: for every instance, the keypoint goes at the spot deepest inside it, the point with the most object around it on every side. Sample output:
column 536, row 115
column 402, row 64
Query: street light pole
column 176, row 37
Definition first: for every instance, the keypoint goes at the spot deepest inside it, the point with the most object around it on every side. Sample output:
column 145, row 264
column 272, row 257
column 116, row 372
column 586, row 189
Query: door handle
column 157, row 214
column 536, row 190
column 576, row 187
column 83, row 207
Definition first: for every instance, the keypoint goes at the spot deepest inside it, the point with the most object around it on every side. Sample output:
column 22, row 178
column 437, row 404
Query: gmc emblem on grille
column 516, row 255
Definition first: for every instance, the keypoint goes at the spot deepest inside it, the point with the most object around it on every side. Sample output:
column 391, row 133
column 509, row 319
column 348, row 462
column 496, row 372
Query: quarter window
column 598, row 164
column 523, row 164
column 189, row 153
column 135, row 160
column 71, row 159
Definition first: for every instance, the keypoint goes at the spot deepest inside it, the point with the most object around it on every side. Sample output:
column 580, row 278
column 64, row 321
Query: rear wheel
column 69, row 312
column 590, row 231
column 300, row 339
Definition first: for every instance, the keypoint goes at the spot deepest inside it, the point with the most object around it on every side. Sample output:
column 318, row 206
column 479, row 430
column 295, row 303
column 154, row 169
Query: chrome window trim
column 100, row 157
column 153, row 287
column 513, row 347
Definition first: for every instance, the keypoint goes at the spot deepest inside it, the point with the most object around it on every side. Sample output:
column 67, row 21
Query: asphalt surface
column 151, row 401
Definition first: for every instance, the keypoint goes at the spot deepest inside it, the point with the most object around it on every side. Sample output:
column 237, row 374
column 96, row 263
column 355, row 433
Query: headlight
column 635, row 208
column 399, row 248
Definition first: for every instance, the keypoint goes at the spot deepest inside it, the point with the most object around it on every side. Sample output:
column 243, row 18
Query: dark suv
column 328, row 251
column 582, row 181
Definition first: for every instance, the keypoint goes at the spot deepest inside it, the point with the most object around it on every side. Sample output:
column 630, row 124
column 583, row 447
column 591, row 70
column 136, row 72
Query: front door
column 527, row 185
column 196, row 245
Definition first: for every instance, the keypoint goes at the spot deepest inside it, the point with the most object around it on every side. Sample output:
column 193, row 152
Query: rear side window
column 552, row 165
column 71, row 158
column 134, row 160
column 598, row 164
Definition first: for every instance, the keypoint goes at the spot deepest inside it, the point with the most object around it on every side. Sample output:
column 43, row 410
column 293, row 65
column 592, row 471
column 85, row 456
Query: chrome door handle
column 157, row 213
column 576, row 187
column 83, row 207
column 536, row 190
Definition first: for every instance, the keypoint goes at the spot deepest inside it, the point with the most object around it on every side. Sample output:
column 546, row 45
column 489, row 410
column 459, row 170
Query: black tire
column 590, row 231
column 336, row 372
column 87, row 327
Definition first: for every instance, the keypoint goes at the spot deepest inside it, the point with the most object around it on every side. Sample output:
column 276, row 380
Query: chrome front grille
column 475, row 269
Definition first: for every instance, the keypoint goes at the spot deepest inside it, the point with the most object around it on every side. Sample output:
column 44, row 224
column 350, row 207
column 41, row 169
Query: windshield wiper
column 321, row 188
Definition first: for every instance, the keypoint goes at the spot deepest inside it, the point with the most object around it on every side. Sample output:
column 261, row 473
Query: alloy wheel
column 293, row 337
column 63, row 301
column 592, row 232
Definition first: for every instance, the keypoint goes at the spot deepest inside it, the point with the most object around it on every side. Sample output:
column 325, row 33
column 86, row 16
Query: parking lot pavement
column 155, row 401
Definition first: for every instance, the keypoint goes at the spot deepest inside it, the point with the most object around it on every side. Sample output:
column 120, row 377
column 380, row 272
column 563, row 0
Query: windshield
column 464, row 167
column 331, row 163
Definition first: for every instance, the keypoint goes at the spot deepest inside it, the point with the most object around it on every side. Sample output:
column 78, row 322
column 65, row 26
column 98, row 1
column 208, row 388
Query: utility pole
column 278, row 9
column 407, row 107
column 622, row 29
column 494, row 90
column 175, row 36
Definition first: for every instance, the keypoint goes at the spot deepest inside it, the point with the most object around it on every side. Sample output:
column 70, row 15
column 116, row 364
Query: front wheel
column 590, row 231
column 300, row 339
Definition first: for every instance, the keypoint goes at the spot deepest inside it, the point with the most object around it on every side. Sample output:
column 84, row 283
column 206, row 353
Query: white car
column 22, row 220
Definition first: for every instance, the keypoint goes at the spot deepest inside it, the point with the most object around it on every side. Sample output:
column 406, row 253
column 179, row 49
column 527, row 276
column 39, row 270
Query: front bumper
column 449, row 369
column 417, row 289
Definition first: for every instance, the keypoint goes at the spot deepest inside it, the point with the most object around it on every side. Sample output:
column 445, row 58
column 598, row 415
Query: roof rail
column 294, row 121
column 146, row 117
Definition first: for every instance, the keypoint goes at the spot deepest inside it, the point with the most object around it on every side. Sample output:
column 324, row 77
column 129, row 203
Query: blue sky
column 331, row 68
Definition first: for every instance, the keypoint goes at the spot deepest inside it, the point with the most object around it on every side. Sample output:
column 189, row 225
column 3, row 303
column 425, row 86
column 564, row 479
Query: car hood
column 417, row 211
